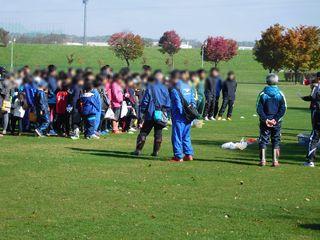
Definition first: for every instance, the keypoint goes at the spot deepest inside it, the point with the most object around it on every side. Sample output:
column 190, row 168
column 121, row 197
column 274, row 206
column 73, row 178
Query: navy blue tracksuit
column 42, row 110
column 271, row 104
column 90, row 108
column 229, row 88
column 210, row 91
column 314, row 98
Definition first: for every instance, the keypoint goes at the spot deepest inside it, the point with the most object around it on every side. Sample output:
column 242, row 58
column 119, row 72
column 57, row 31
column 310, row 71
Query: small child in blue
column 42, row 109
column 90, row 107
column 271, row 107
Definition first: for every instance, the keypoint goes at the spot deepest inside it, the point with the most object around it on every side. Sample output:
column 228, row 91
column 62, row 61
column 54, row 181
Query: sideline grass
column 56, row 188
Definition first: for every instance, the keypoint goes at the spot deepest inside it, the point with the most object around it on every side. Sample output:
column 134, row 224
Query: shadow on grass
column 304, row 109
column 114, row 154
column 313, row 226
column 296, row 129
column 291, row 154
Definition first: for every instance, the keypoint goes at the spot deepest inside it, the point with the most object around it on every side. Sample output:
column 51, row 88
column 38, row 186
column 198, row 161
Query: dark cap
column 318, row 74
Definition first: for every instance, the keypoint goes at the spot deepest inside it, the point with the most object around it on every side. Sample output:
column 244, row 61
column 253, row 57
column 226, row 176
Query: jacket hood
column 271, row 91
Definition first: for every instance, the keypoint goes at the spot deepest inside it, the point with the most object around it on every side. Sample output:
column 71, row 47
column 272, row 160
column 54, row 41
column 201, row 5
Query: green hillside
column 38, row 56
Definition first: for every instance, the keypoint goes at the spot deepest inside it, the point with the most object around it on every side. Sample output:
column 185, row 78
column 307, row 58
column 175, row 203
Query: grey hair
column 272, row 79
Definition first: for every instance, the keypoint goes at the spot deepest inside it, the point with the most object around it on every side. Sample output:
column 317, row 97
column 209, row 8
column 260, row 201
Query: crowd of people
column 67, row 103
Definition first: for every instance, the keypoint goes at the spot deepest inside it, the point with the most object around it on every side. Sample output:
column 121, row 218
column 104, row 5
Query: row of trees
column 295, row 49
column 129, row 47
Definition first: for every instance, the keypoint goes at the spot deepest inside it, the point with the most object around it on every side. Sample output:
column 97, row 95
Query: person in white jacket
column 17, row 113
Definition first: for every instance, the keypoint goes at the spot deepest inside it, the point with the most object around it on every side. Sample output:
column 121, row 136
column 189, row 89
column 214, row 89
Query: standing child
column 74, row 105
column 229, row 88
column 62, row 115
column 42, row 109
column 17, row 113
column 200, row 91
column 129, row 97
column 116, row 101
column 100, row 83
column 271, row 107
column 90, row 106
column 181, row 127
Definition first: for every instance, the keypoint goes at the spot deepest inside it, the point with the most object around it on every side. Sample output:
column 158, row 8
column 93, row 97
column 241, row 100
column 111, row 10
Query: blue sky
column 194, row 19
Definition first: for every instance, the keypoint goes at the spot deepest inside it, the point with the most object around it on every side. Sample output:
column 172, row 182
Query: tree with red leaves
column 170, row 43
column 217, row 49
column 126, row 46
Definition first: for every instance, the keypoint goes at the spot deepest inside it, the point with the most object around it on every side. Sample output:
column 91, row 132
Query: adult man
column 181, row 127
column 156, row 99
column 314, row 98
column 271, row 107
column 211, row 94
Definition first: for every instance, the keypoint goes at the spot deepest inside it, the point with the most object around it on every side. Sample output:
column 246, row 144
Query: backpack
column 191, row 113
column 159, row 116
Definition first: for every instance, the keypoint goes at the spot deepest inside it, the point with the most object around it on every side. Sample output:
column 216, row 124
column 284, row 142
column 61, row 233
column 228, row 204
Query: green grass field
column 39, row 56
column 56, row 188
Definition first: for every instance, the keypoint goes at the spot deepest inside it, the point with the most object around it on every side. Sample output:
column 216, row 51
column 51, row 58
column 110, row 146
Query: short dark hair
column 200, row 71
column 231, row 73
column 214, row 69
column 51, row 68
column 157, row 72
column 146, row 68
column 175, row 74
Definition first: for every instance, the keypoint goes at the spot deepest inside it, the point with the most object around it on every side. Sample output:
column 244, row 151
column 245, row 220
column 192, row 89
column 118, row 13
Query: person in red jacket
column 62, row 115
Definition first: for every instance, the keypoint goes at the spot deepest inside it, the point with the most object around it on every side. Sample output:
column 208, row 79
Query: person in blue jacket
column 90, row 106
column 52, row 91
column 271, row 107
column 30, row 89
column 155, row 98
column 181, row 128
column 42, row 109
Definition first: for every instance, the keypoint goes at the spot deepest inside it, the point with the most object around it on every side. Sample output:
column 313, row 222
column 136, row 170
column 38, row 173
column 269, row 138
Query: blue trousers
column 89, row 125
column 181, row 139
column 267, row 133
column 97, row 122
column 43, row 122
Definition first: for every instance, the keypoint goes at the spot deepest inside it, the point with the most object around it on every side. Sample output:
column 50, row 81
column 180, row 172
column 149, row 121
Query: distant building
column 73, row 44
column 185, row 45
column 245, row 48
column 92, row 44
column 98, row 44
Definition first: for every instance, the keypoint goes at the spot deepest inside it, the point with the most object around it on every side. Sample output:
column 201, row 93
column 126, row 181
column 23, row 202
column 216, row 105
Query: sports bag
column 159, row 116
column 191, row 113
